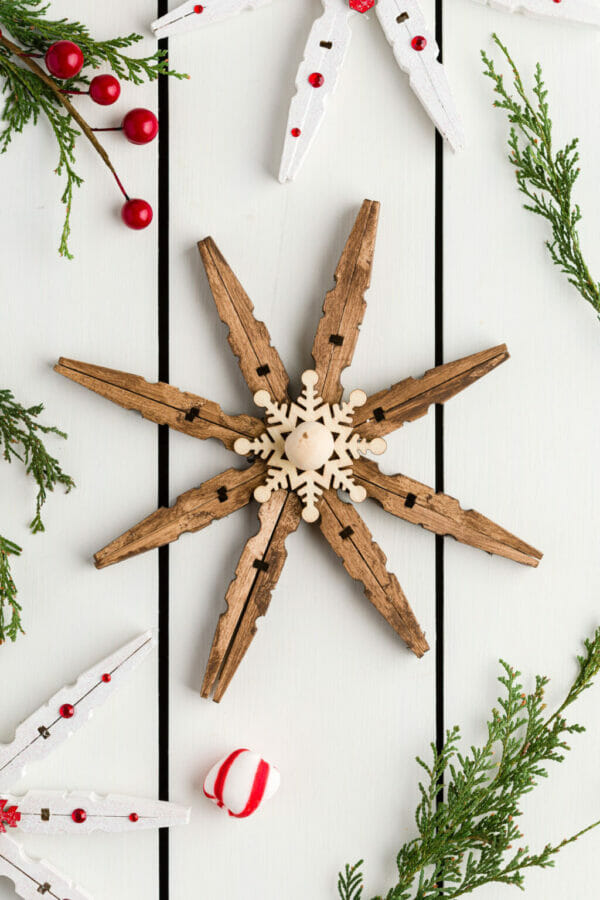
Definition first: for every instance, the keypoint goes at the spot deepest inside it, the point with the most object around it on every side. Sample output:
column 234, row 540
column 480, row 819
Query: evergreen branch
column 25, row 20
column 30, row 92
column 9, row 629
column 466, row 841
column 545, row 177
column 64, row 131
column 20, row 82
column 350, row 882
column 20, row 439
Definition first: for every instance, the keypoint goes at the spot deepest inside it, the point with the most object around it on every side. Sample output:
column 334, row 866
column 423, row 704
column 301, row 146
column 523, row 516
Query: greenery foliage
column 544, row 176
column 472, row 837
column 28, row 97
column 20, row 439
column 10, row 610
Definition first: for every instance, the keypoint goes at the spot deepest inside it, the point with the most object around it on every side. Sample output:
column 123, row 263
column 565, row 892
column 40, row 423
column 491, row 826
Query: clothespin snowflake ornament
column 301, row 454
column 50, row 812
column 403, row 24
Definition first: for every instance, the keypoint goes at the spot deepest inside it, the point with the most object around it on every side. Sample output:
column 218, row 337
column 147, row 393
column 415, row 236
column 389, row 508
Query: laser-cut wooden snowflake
column 263, row 557
column 310, row 446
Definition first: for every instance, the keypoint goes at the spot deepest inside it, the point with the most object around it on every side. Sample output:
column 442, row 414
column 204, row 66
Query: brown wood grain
column 415, row 502
column 410, row 399
column 162, row 403
column 365, row 561
column 249, row 594
column 248, row 338
column 194, row 510
column 344, row 306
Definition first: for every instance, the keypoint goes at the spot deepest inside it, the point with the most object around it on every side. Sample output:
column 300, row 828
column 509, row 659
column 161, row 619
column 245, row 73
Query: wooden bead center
column 309, row 446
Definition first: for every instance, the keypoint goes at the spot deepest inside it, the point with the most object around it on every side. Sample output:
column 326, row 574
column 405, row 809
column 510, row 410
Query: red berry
column 419, row 42
column 106, row 678
column 198, row 9
column 140, row 126
column 295, row 132
column 64, row 59
column 79, row 816
column 361, row 6
column 67, row 711
column 316, row 79
column 133, row 817
column 105, row 89
column 137, row 214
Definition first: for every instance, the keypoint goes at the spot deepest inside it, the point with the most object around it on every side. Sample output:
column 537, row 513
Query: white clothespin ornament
column 47, row 812
column 404, row 25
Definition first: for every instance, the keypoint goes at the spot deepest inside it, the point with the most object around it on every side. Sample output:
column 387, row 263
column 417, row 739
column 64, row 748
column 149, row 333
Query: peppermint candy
column 241, row 782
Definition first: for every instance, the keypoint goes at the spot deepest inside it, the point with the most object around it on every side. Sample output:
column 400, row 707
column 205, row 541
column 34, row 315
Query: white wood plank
column 523, row 444
column 327, row 692
column 99, row 307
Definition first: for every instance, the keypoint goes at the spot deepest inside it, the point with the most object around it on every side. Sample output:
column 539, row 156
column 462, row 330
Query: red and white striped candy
column 241, row 782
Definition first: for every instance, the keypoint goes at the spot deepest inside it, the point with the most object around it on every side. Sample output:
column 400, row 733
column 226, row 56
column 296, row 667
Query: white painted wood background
column 327, row 692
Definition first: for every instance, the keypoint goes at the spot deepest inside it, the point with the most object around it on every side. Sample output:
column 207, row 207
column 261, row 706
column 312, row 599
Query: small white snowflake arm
column 113, row 812
column 190, row 15
column 33, row 878
column 310, row 446
column 316, row 82
column 69, row 709
column 416, row 52
column 582, row 12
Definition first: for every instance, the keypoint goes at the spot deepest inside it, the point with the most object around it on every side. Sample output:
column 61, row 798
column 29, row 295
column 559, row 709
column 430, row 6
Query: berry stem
column 37, row 70
column 86, row 93
column 113, row 128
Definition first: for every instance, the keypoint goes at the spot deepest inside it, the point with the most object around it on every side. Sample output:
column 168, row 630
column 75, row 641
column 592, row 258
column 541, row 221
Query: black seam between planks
column 439, row 412
column 163, row 464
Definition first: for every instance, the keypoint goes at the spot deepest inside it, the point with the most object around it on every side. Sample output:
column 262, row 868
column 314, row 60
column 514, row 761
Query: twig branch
column 64, row 100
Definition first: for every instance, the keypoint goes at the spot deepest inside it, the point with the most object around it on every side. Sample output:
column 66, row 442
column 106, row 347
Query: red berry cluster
column 64, row 60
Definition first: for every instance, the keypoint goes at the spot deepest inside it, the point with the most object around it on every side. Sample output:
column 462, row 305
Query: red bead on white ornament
column 241, row 782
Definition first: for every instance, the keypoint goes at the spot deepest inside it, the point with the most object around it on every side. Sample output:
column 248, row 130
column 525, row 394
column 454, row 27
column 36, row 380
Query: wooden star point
column 264, row 554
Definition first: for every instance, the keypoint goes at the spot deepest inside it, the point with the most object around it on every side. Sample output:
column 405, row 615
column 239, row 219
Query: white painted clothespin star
column 582, row 12
column 404, row 25
column 48, row 812
column 416, row 53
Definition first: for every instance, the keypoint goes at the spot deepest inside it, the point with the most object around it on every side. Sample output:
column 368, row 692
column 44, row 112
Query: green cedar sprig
column 472, row 837
column 25, row 20
column 9, row 627
column 544, row 176
column 28, row 96
column 20, row 439
column 350, row 882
